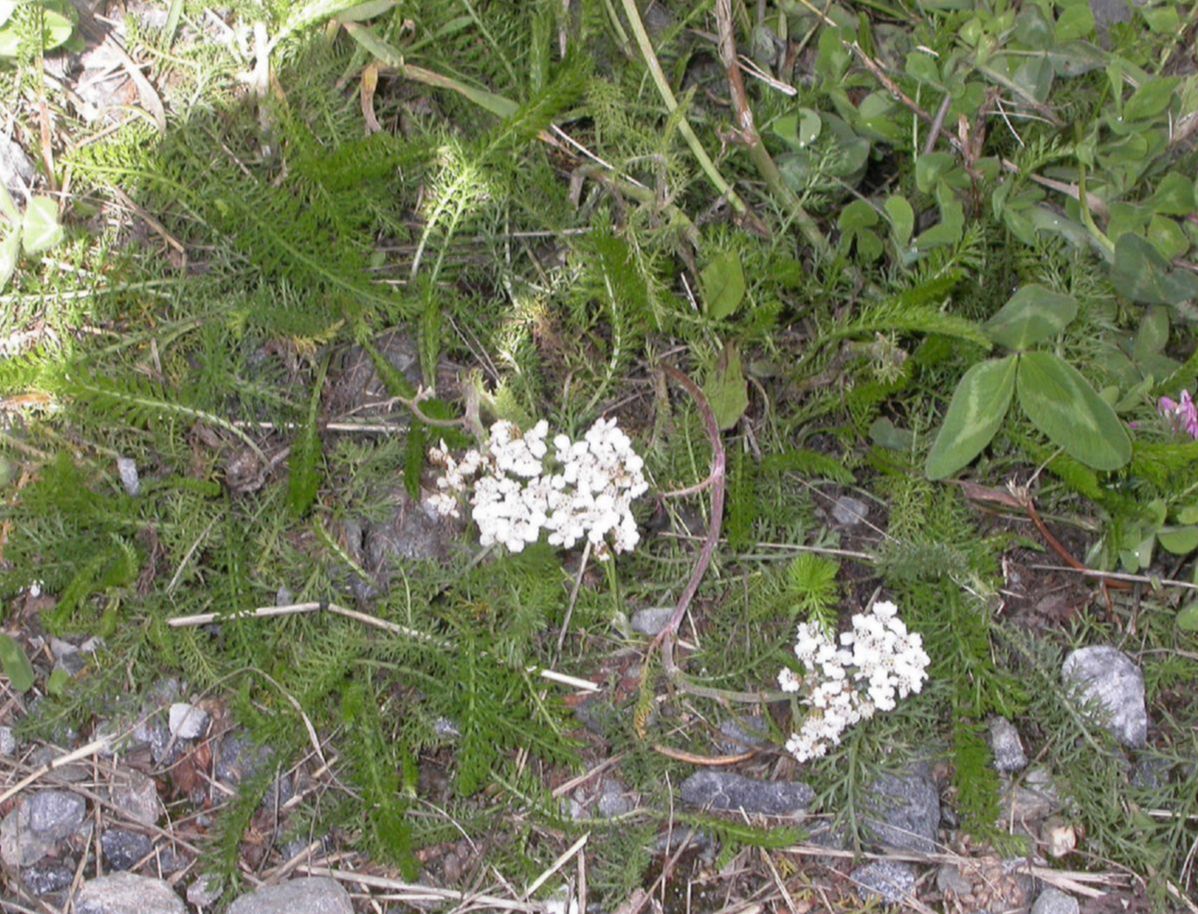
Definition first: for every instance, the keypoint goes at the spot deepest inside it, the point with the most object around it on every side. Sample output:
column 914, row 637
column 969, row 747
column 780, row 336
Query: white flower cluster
column 584, row 491
column 876, row 664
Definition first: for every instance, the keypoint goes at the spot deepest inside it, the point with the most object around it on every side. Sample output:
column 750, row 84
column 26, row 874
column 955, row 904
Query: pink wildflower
column 1183, row 415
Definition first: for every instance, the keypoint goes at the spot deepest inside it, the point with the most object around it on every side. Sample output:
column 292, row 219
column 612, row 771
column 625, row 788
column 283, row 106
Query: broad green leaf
column 57, row 29
column 15, row 664
column 801, row 128
column 1188, row 514
column 726, row 389
column 1062, row 404
column 1178, row 540
column 977, row 409
column 1151, row 99
column 40, row 228
column 10, row 41
column 947, row 231
column 1174, row 196
column 1032, row 315
column 923, row 68
column 902, row 219
column 1187, row 618
column 931, row 167
column 1143, row 275
column 1153, row 332
column 1167, row 237
column 1076, row 21
column 723, row 283
column 856, row 216
column 59, row 679
column 10, row 249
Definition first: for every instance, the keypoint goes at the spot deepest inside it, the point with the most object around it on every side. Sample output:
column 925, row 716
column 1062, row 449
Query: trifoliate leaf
column 726, row 389
column 1062, row 404
column 41, row 229
column 15, row 664
column 723, row 282
column 1032, row 315
column 977, row 409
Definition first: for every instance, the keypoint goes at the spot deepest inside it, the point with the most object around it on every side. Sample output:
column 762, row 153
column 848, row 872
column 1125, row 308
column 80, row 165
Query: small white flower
column 877, row 663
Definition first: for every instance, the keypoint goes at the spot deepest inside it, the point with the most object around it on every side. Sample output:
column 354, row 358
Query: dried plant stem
column 716, row 482
column 748, row 130
column 688, row 133
column 292, row 609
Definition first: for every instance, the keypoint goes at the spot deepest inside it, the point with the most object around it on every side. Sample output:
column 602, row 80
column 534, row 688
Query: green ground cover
column 935, row 256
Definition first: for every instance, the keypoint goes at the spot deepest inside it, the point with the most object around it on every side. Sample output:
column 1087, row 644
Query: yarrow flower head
column 874, row 665
column 1183, row 414
column 584, row 491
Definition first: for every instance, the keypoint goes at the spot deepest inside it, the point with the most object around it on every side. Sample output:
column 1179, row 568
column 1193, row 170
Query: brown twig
column 749, row 135
column 718, row 761
column 719, row 462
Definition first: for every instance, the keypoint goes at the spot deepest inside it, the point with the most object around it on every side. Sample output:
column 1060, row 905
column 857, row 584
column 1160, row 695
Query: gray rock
column 950, row 880
column 1151, row 772
column 613, row 800
column 652, row 620
column 1033, row 799
column 903, row 811
column 55, row 814
column 71, row 774
column 727, row 792
column 849, row 511
column 890, row 880
column 741, row 734
column 37, row 823
column 125, row 893
column 1108, row 13
column 312, row 895
column 1006, row 746
column 135, row 796
column 240, row 757
column 45, row 878
column 1107, row 679
column 187, row 721
column 414, row 531
column 16, row 170
column 205, row 890
column 8, row 742
column 123, row 848
column 1054, row 901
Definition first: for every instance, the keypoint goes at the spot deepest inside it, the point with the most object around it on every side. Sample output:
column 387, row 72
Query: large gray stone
column 1054, row 901
column 311, row 895
column 903, row 810
column 37, row 823
column 727, row 792
column 125, row 893
column 1107, row 679
column 1006, row 746
column 891, row 880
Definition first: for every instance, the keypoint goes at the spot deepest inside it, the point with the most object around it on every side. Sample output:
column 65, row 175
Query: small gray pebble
column 651, row 621
column 849, row 511
column 1054, row 901
column 1006, row 746
column 891, row 880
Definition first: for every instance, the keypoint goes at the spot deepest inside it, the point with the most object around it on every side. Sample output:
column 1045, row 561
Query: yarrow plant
column 583, row 490
column 875, row 665
column 1183, row 415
